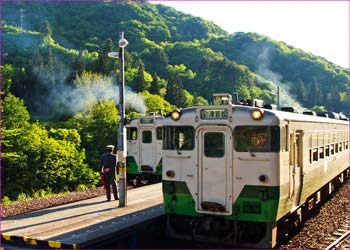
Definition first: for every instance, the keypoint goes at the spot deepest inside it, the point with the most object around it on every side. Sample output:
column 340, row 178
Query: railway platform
column 83, row 223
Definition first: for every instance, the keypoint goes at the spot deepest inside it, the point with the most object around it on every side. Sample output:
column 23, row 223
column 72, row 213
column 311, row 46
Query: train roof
column 285, row 114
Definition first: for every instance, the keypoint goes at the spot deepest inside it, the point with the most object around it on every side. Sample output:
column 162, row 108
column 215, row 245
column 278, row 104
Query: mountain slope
column 163, row 39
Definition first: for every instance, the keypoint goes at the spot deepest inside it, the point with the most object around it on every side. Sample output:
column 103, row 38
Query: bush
column 6, row 201
column 23, row 197
column 81, row 187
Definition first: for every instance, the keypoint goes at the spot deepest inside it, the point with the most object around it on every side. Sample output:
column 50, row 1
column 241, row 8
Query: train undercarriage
column 220, row 232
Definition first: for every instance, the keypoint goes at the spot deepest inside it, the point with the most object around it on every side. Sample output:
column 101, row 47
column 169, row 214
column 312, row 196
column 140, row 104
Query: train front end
column 220, row 174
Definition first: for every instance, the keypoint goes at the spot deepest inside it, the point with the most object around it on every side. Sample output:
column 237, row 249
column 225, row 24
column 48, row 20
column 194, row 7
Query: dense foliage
column 59, row 86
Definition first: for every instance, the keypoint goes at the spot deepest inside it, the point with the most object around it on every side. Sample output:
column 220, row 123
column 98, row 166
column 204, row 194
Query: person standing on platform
column 108, row 165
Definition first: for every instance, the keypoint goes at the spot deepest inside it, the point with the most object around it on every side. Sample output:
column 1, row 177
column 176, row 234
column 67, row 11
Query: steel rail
column 338, row 241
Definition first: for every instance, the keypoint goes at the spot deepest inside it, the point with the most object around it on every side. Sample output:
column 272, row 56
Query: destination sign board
column 210, row 114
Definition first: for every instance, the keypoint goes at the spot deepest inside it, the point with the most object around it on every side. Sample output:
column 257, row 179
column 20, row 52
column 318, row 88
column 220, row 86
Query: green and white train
column 144, row 150
column 241, row 175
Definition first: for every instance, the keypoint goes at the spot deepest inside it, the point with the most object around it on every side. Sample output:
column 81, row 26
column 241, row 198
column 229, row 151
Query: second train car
column 144, row 150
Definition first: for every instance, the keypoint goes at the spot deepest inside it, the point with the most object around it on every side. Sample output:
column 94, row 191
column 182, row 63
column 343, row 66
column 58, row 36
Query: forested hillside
column 59, row 88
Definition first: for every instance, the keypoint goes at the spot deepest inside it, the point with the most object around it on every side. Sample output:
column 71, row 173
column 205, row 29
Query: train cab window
column 159, row 133
column 178, row 138
column 147, row 136
column 131, row 133
column 257, row 138
column 327, row 150
column 214, row 144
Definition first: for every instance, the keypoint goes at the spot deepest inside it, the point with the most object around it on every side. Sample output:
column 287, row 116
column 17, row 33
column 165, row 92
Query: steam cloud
column 286, row 98
column 62, row 99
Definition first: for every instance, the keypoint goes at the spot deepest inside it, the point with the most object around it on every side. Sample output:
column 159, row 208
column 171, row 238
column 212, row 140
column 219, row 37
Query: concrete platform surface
column 81, row 223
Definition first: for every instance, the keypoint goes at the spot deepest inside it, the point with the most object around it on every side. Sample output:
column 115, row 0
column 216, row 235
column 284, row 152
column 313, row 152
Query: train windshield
column 178, row 138
column 131, row 133
column 257, row 138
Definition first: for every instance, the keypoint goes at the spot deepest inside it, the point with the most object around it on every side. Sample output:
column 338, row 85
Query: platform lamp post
column 121, row 151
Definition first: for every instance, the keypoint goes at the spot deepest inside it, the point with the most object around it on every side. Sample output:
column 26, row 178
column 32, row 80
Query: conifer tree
column 105, row 65
column 140, row 84
column 174, row 92
column 155, row 87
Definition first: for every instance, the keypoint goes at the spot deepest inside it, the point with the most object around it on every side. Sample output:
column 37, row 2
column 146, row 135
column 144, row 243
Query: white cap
column 110, row 146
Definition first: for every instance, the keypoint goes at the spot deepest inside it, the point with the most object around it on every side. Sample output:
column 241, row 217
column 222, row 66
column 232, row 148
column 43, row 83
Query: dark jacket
column 109, row 160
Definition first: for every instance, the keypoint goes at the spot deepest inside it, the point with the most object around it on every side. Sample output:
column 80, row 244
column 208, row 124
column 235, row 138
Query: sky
column 318, row 27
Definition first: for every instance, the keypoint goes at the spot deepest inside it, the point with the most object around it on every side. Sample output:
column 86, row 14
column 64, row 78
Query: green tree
column 175, row 92
column 156, row 103
column 98, row 127
column 140, row 84
column 7, row 72
column 46, row 28
column 315, row 96
column 14, row 113
column 105, row 64
column 155, row 86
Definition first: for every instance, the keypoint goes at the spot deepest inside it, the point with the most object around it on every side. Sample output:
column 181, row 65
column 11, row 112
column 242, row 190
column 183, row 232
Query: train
column 144, row 150
column 242, row 173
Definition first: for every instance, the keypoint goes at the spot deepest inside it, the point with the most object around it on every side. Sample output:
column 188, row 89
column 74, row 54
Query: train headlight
column 175, row 115
column 170, row 173
column 257, row 114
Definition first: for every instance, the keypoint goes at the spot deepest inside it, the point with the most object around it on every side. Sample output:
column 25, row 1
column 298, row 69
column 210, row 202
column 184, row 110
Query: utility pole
column 121, row 151
column 22, row 12
column 122, row 130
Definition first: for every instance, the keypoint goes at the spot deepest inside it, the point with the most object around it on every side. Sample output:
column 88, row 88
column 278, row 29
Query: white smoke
column 66, row 100
column 286, row 99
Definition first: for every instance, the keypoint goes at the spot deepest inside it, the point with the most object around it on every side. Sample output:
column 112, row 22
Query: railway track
column 325, row 225
column 340, row 240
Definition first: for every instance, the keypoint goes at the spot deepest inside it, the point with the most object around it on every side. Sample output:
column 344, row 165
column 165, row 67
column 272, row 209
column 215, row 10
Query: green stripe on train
column 255, row 203
column 132, row 168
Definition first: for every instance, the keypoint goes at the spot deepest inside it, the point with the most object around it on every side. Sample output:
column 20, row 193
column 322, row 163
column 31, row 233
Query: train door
column 147, row 151
column 214, row 170
column 295, row 170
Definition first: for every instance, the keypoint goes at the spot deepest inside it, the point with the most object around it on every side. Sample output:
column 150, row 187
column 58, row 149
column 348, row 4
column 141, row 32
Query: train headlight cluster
column 175, row 115
column 257, row 114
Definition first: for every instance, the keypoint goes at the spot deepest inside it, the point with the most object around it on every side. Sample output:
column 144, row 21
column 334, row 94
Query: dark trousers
column 110, row 180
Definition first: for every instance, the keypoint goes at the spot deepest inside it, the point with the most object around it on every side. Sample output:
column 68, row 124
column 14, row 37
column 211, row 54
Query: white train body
column 144, row 148
column 220, row 165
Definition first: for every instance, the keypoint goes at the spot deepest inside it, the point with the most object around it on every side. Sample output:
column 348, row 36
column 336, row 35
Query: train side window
column 327, row 150
column 340, row 146
column 159, row 133
column 332, row 149
column 315, row 154
column 147, row 136
column 336, row 148
column 321, row 152
column 310, row 156
column 346, row 145
column 214, row 144
column 131, row 133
